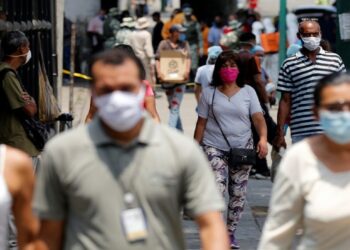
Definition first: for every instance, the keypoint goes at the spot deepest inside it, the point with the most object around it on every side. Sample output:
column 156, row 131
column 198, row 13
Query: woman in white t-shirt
column 312, row 187
column 16, row 190
column 226, row 113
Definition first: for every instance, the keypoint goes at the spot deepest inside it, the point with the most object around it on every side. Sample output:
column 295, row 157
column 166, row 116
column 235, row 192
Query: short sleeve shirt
column 233, row 115
column 12, row 132
column 299, row 76
column 204, row 75
column 78, row 182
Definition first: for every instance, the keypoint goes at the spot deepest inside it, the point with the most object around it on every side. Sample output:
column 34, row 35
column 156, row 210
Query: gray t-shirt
column 78, row 182
column 233, row 114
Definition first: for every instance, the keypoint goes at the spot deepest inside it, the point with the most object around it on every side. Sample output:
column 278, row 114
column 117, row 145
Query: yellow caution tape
column 79, row 75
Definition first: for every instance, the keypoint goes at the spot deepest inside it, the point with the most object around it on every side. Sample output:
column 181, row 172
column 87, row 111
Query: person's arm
column 19, row 100
column 50, row 236
column 261, row 129
column 286, row 205
column 157, row 57
column 282, row 116
column 26, row 223
column 30, row 107
column 260, row 86
column 50, row 200
column 285, row 86
column 203, row 114
column 200, row 128
column 150, row 103
column 213, row 232
column 198, row 91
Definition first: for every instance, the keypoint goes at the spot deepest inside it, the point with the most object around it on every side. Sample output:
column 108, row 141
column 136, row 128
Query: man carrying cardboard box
column 173, row 61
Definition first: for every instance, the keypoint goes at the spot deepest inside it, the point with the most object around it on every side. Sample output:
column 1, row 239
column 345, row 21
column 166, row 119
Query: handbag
column 237, row 156
column 37, row 132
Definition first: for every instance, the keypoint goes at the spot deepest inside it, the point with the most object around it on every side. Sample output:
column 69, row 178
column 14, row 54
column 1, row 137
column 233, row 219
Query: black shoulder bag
column 237, row 156
column 36, row 131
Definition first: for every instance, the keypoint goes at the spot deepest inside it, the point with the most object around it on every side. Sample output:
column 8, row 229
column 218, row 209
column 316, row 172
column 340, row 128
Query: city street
column 255, row 211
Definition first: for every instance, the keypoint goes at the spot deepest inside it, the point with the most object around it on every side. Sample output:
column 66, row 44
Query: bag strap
column 212, row 110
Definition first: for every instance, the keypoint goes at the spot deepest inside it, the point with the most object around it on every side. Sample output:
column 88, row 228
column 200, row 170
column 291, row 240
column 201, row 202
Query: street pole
column 72, row 68
column 343, row 7
column 283, row 31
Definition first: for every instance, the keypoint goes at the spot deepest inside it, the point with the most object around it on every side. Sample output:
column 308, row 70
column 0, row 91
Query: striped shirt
column 299, row 76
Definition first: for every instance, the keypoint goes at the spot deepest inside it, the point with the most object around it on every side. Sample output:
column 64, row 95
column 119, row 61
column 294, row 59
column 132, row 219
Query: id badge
column 134, row 224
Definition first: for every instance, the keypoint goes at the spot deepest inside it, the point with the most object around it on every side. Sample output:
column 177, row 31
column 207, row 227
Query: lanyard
column 130, row 199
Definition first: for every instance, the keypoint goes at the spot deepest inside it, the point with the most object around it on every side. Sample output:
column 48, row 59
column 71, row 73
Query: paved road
column 249, row 230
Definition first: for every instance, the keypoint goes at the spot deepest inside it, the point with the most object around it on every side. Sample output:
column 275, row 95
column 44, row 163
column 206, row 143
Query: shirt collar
column 147, row 135
column 321, row 52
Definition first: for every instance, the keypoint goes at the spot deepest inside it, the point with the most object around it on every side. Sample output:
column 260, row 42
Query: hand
column 279, row 141
column 262, row 148
column 187, row 76
column 27, row 98
column 161, row 77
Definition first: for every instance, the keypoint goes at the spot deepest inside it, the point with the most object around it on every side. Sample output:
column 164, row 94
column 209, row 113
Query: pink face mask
column 229, row 75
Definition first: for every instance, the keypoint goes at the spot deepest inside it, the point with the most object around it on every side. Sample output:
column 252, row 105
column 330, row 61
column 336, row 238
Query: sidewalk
column 250, row 227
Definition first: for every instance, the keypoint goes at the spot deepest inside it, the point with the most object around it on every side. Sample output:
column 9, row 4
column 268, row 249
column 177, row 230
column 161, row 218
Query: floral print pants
column 237, row 177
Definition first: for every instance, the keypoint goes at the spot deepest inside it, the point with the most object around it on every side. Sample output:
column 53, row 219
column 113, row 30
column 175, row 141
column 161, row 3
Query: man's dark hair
column 247, row 37
column 118, row 56
column 334, row 79
column 12, row 41
column 156, row 15
column 128, row 49
column 224, row 57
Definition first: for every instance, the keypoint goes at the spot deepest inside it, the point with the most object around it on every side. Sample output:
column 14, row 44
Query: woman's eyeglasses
column 337, row 106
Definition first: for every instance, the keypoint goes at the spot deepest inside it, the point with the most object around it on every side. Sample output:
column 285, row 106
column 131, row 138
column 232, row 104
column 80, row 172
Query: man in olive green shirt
column 122, row 181
column 14, row 101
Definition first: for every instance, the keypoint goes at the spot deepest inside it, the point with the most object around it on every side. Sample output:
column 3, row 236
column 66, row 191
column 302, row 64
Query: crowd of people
column 125, row 181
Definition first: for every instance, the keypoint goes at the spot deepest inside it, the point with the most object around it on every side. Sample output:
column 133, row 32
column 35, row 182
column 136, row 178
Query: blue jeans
column 175, row 97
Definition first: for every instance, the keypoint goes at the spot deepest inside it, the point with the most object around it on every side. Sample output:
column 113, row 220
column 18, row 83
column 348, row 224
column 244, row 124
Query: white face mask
column 28, row 56
column 121, row 111
column 311, row 43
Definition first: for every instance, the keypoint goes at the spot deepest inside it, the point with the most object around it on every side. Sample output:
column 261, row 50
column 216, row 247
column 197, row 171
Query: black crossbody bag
column 237, row 156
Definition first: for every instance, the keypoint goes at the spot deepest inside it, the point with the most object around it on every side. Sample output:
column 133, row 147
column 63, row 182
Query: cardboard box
column 173, row 66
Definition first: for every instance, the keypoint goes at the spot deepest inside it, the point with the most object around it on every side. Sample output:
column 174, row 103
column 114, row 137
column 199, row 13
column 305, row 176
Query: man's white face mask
column 28, row 56
column 311, row 43
column 120, row 110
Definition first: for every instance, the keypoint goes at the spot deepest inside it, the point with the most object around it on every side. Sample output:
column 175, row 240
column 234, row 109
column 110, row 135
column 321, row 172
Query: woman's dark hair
column 117, row 56
column 331, row 80
column 224, row 57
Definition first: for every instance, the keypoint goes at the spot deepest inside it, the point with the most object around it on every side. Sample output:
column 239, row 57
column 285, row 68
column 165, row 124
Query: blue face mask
column 336, row 126
column 182, row 37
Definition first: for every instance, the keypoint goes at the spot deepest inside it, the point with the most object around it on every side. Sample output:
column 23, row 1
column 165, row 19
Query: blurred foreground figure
column 312, row 190
column 122, row 180
column 16, row 189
